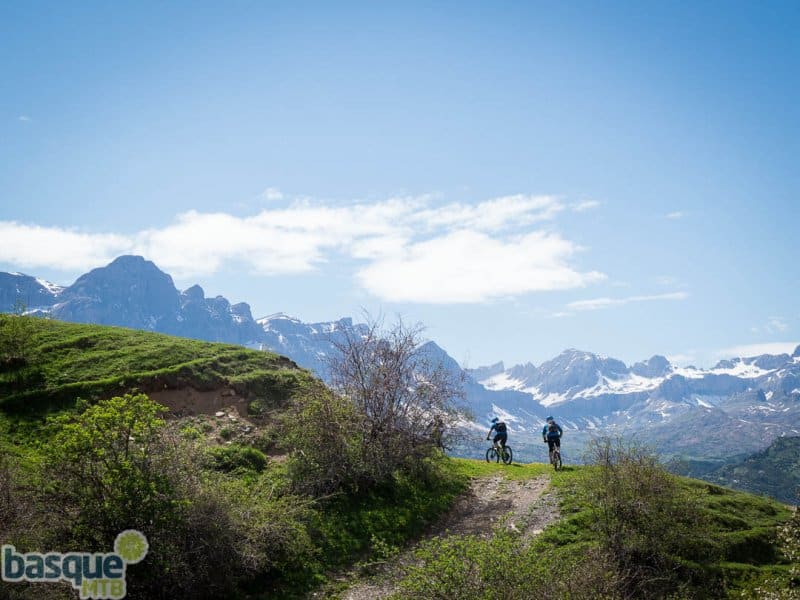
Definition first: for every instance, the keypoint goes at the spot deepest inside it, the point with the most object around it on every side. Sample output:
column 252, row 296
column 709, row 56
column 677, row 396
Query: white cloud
column 376, row 247
column 678, row 214
column 600, row 303
column 746, row 350
column 202, row 243
column 69, row 250
column 584, row 206
column 412, row 248
column 491, row 215
column 24, row 119
column 468, row 266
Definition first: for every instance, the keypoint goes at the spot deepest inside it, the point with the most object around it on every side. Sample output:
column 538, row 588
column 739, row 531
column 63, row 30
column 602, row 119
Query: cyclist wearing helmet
column 501, row 432
column 551, row 434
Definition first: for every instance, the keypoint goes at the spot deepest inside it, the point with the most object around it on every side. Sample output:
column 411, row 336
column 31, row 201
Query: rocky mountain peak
column 242, row 310
column 194, row 294
column 526, row 372
column 655, row 366
column 129, row 291
column 481, row 373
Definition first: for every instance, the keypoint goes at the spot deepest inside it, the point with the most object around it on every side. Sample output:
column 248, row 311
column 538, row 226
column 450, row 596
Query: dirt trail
column 525, row 504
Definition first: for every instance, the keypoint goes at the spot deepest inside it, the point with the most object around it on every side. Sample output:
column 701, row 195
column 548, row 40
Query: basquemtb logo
column 96, row 576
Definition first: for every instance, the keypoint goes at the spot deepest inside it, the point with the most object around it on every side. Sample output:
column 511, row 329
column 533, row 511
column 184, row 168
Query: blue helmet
column 550, row 419
column 495, row 420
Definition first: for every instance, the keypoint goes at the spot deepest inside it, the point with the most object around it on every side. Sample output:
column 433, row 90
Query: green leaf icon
column 131, row 545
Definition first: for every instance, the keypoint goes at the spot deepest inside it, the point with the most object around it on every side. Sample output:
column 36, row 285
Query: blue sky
column 520, row 177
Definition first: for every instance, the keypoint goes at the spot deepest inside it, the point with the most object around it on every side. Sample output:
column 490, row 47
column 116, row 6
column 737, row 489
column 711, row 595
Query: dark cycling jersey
column 552, row 433
column 499, row 427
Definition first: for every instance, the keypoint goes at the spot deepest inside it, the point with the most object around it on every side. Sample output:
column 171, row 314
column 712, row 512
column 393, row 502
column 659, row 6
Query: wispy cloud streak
column 602, row 303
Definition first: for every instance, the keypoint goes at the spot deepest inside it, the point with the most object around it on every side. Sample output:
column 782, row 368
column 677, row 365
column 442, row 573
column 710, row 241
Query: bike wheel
column 491, row 455
column 507, row 455
column 557, row 460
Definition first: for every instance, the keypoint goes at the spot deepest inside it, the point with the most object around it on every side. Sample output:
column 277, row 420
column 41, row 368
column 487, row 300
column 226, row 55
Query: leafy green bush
column 237, row 457
column 16, row 331
column 647, row 524
column 117, row 465
column 190, row 432
column 324, row 433
column 109, row 463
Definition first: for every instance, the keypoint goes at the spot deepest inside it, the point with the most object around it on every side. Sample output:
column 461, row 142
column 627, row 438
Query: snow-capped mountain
column 575, row 376
column 310, row 345
column 32, row 292
column 739, row 404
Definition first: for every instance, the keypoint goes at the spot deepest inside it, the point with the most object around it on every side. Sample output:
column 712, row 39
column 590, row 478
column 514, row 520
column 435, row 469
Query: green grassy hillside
column 64, row 361
column 774, row 471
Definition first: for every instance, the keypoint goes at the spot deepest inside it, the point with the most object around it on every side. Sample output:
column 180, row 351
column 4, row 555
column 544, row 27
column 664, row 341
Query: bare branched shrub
column 406, row 395
column 393, row 403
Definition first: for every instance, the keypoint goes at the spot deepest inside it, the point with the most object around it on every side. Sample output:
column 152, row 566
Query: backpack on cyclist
column 500, row 427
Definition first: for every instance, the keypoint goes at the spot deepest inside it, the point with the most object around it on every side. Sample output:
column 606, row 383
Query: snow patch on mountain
column 504, row 415
column 502, row 381
column 741, row 368
column 626, row 385
column 50, row 287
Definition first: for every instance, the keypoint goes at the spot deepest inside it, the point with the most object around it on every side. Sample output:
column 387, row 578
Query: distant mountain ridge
column 134, row 292
column 740, row 405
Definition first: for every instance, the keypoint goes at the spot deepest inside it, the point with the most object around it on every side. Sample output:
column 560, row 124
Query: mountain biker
column 501, row 432
column 551, row 434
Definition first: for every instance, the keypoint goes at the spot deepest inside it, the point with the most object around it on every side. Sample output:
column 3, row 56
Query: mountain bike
column 499, row 452
column 555, row 457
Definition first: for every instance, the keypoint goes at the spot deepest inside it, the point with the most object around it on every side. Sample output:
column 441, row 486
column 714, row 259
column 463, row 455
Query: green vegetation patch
column 64, row 361
column 726, row 542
